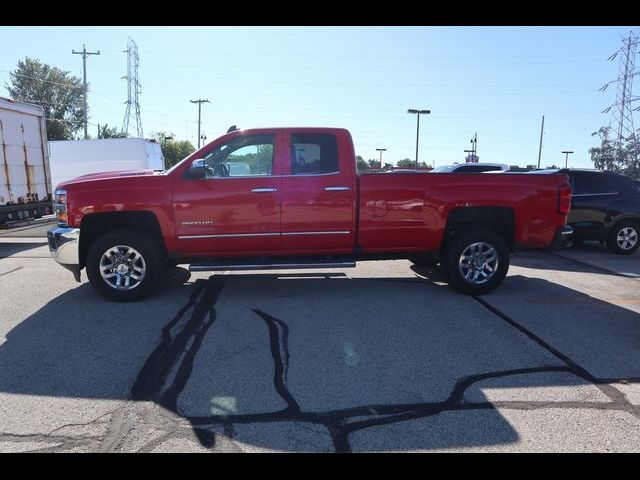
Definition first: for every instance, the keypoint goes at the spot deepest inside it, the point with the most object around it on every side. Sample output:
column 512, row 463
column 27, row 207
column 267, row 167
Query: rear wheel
column 476, row 262
column 624, row 238
column 124, row 265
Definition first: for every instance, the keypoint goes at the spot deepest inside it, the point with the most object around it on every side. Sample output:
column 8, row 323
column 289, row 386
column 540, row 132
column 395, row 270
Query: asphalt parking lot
column 383, row 357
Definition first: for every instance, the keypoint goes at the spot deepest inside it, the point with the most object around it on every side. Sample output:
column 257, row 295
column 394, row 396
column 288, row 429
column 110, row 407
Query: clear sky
column 496, row 81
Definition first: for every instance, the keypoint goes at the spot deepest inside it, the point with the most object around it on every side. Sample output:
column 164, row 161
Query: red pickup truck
column 279, row 198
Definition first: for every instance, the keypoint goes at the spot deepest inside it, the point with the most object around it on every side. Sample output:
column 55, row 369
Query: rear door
column 318, row 194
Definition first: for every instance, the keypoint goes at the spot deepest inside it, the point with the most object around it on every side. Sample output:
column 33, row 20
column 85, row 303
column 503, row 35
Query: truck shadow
column 300, row 363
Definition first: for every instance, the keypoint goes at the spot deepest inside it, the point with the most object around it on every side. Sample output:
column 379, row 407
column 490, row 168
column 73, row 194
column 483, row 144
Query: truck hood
column 104, row 175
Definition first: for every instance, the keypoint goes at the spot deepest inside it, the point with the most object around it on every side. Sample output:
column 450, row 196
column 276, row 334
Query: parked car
column 471, row 168
column 296, row 210
column 605, row 206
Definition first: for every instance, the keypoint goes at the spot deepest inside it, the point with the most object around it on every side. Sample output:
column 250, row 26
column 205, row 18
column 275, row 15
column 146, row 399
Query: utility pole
column 412, row 110
column 381, row 150
column 199, row 102
column 469, row 157
column 566, row 158
column 85, row 54
column 540, row 148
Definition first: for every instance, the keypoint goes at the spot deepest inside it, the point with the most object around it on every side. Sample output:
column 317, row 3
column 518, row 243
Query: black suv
column 605, row 206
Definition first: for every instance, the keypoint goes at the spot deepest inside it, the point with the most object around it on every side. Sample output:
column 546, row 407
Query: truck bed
column 404, row 212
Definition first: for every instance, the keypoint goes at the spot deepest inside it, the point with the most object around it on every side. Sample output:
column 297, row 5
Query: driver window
column 246, row 156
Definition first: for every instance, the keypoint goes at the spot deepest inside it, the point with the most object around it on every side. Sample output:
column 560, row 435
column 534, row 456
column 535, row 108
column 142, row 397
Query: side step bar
column 269, row 264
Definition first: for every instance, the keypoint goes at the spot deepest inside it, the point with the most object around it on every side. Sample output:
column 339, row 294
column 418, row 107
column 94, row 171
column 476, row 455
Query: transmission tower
column 133, row 88
column 621, row 112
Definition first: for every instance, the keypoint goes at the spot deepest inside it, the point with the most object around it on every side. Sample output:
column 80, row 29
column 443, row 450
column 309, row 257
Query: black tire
column 629, row 229
column 144, row 245
column 452, row 255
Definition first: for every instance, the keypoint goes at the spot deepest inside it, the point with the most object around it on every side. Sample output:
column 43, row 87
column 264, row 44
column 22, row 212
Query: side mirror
column 196, row 170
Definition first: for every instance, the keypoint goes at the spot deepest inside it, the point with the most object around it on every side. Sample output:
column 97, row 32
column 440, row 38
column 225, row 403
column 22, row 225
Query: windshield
column 443, row 168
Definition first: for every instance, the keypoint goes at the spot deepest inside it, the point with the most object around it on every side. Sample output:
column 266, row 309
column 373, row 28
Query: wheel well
column 499, row 220
column 97, row 224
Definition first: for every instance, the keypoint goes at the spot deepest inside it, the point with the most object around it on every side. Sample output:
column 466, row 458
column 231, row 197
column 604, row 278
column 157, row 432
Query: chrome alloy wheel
column 478, row 263
column 122, row 267
column 627, row 238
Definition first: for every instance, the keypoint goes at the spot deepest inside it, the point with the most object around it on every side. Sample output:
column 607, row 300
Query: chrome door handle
column 336, row 189
column 263, row 190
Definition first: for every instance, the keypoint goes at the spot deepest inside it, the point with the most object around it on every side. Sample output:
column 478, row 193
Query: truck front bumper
column 63, row 246
column 562, row 237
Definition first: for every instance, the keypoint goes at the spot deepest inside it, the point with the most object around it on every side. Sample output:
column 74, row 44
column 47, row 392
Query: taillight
column 564, row 201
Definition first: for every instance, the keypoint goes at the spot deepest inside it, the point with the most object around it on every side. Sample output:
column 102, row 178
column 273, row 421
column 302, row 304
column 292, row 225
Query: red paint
column 381, row 212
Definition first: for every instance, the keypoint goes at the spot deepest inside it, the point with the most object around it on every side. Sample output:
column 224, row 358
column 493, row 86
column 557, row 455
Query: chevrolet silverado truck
column 280, row 198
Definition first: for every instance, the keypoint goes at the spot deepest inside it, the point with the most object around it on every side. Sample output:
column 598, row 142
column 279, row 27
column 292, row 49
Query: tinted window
column 592, row 183
column 249, row 155
column 314, row 153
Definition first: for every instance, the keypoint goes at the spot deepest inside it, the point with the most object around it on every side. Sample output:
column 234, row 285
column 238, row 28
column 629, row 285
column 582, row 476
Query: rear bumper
column 63, row 246
column 562, row 237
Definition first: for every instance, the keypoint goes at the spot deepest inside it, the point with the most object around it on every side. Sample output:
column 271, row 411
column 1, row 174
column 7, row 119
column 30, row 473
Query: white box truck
column 25, row 180
column 72, row 158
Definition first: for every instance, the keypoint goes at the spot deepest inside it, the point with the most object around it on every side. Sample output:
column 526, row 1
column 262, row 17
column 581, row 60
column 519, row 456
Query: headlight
column 60, row 207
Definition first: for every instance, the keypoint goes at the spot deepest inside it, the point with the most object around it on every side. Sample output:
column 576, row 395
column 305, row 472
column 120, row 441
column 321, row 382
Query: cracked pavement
column 383, row 357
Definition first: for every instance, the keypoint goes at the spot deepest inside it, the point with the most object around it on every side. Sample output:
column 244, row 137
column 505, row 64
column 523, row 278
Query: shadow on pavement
column 580, row 259
column 10, row 249
column 294, row 362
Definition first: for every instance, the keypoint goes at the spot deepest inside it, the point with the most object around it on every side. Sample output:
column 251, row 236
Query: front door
column 318, row 196
column 235, row 209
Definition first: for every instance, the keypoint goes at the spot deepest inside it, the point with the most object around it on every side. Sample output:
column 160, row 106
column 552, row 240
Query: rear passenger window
column 587, row 184
column 313, row 153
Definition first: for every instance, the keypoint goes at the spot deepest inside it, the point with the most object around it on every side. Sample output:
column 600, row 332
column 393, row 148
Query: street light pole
column 566, row 158
column 418, row 112
column 381, row 150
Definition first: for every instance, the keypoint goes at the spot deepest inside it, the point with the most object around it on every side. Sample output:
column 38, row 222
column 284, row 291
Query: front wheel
column 624, row 238
column 476, row 262
column 124, row 265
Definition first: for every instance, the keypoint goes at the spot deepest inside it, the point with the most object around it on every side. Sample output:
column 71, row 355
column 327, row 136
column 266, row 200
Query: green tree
column 406, row 163
column 603, row 157
column 373, row 163
column 113, row 132
column 56, row 91
column 627, row 159
column 361, row 164
column 173, row 151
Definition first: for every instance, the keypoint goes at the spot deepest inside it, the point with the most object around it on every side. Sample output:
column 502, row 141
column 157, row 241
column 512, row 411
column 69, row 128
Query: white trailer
column 25, row 180
column 72, row 158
